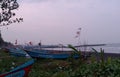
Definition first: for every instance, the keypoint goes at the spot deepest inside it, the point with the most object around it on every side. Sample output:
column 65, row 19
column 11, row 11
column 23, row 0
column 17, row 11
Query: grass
column 81, row 67
column 8, row 62
column 48, row 67
column 63, row 68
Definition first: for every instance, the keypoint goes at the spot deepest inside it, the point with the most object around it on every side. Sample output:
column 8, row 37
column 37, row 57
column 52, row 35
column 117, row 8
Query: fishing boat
column 18, row 52
column 13, row 64
column 58, row 55
column 47, row 53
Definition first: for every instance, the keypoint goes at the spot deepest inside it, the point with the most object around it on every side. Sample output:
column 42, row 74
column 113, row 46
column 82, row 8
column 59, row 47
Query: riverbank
column 70, row 67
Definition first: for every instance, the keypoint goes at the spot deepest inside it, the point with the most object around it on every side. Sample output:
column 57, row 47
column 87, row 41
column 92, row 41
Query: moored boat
column 14, row 66
column 54, row 54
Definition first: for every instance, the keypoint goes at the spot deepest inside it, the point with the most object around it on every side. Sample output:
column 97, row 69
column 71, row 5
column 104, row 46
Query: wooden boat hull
column 23, row 69
column 20, row 71
column 57, row 56
column 51, row 54
column 17, row 52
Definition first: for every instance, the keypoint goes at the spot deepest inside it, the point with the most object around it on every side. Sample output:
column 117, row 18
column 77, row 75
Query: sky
column 57, row 21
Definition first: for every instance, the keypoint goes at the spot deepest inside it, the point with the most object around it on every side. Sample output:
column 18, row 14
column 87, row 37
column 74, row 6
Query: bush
column 80, row 67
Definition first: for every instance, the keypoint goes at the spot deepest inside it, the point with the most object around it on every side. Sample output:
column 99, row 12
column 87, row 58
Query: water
column 108, row 48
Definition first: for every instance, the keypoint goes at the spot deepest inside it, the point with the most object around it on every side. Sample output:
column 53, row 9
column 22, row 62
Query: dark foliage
column 6, row 12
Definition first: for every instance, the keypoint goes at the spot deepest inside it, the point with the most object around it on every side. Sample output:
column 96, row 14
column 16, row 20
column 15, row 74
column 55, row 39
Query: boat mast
column 78, row 36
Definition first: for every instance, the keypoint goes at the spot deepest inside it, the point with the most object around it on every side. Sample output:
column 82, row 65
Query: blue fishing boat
column 17, row 52
column 53, row 54
column 57, row 56
column 15, row 67
column 35, row 53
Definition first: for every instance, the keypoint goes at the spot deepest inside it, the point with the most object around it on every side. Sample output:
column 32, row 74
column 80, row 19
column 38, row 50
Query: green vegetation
column 8, row 62
column 81, row 67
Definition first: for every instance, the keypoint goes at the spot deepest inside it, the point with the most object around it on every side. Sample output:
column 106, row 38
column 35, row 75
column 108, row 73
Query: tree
column 6, row 12
column 6, row 15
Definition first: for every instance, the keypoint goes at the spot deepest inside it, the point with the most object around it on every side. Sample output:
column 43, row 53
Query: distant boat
column 21, row 70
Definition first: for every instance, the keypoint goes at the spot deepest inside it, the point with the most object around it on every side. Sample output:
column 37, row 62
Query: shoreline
column 106, row 55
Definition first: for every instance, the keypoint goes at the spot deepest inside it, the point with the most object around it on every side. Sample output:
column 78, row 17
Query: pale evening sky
column 57, row 21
